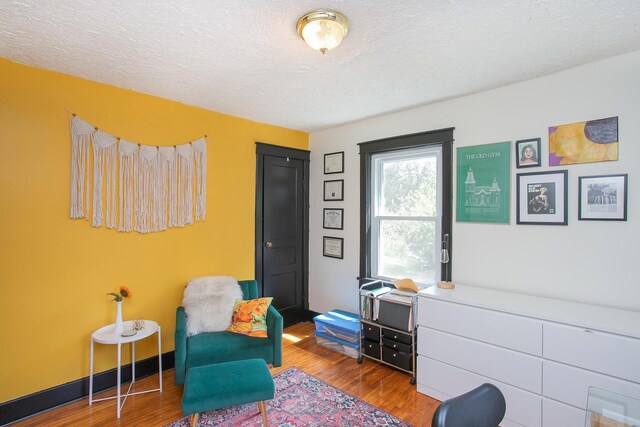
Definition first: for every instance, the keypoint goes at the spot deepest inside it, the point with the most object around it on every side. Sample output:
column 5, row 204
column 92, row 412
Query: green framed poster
column 483, row 183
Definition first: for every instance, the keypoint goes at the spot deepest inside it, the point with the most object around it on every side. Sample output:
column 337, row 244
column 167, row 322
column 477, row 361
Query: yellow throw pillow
column 250, row 317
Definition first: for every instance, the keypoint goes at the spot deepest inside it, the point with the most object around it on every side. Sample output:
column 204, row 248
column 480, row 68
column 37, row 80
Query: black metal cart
column 387, row 326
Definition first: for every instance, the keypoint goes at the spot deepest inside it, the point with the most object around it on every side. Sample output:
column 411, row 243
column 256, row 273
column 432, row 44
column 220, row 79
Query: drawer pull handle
column 395, row 337
column 394, row 346
column 588, row 331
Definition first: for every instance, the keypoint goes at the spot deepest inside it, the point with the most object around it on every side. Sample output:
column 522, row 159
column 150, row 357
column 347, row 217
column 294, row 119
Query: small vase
column 119, row 326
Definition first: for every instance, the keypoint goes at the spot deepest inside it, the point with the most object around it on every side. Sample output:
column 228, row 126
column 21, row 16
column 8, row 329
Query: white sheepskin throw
column 208, row 302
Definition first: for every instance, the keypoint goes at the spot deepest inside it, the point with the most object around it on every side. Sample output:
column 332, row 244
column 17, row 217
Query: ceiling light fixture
column 323, row 29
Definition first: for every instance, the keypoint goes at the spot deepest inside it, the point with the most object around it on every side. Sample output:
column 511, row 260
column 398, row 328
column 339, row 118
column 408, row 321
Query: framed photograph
column 584, row 142
column 602, row 197
column 528, row 153
column 333, row 218
column 484, row 183
column 332, row 247
column 334, row 162
column 334, row 190
column 542, row 198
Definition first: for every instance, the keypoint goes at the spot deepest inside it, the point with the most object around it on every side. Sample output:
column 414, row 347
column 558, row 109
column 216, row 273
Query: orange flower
column 125, row 292
column 243, row 314
column 260, row 309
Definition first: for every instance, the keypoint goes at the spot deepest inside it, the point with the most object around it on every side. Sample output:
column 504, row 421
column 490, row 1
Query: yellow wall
column 55, row 272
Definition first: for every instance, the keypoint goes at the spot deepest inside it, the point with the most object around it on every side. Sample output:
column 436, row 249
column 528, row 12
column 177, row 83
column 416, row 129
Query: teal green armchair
column 217, row 347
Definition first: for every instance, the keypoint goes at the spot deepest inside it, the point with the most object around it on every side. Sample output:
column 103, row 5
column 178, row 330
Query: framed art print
column 483, row 183
column 333, row 218
column 602, row 197
column 542, row 198
column 528, row 153
column 333, row 190
column 584, row 142
column 332, row 247
column 334, row 163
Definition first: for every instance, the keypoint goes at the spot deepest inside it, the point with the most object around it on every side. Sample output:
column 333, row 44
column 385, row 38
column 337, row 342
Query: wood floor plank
column 379, row 385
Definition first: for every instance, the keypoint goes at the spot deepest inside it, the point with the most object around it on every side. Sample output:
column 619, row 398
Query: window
column 406, row 206
column 406, row 211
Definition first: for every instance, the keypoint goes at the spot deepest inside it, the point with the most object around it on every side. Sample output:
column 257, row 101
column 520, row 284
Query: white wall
column 587, row 261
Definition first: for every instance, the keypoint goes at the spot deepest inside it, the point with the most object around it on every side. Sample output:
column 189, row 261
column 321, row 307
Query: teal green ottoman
column 221, row 385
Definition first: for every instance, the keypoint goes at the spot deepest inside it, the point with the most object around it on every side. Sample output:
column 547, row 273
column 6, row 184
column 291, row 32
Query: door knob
column 269, row 244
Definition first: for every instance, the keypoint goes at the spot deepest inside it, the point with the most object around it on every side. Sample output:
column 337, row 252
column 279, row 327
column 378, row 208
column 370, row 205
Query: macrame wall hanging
column 131, row 187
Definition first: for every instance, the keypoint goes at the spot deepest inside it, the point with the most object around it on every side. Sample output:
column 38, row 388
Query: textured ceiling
column 244, row 58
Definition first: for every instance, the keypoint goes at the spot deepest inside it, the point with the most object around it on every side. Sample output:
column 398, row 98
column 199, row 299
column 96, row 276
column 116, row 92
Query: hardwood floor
column 376, row 384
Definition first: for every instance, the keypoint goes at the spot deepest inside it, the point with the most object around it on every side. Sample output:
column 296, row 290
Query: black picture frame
column 602, row 197
column 334, row 190
column 334, row 162
column 333, row 218
column 333, row 247
column 535, row 145
column 542, row 198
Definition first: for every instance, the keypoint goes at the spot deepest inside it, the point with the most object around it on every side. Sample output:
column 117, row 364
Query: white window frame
column 377, row 163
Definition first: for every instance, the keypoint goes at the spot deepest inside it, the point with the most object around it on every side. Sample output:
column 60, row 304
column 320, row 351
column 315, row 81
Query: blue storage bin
column 339, row 324
column 336, row 344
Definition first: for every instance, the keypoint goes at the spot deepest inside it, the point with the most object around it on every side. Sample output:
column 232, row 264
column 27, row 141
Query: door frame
column 262, row 150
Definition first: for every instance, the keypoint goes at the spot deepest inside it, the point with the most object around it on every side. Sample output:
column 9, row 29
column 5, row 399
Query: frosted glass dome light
column 323, row 30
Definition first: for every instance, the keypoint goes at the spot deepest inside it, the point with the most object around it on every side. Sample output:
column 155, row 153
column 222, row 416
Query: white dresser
column 542, row 353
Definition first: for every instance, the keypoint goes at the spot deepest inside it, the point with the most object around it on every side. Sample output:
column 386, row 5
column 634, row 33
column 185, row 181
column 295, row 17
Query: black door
column 282, row 228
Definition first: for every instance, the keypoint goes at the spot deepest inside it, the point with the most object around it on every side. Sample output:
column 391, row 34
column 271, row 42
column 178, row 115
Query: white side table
column 105, row 335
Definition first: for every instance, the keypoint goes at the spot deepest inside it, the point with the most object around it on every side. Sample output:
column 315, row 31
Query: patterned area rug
column 301, row 400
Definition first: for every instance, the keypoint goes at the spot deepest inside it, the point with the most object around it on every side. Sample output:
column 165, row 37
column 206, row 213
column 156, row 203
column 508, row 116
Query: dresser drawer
column 556, row 414
column 396, row 336
column 371, row 348
column 371, row 332
column 493, row 327
column 523, row 408
column 397, row 346
column 510, row 367
column 597, row 351
column 397, row 358
column 571, row 385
